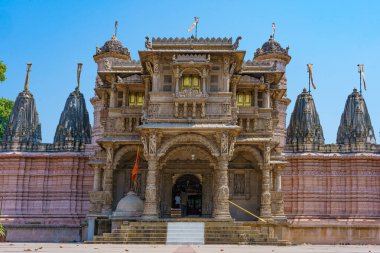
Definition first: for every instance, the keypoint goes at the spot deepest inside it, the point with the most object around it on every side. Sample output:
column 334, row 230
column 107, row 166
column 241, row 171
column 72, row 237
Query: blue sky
column 55, row 35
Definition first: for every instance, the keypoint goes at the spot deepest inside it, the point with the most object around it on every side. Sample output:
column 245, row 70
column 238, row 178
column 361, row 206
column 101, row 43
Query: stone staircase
column 215, row 232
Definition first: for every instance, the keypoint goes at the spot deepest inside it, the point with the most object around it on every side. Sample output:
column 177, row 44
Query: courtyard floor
column 109, row 248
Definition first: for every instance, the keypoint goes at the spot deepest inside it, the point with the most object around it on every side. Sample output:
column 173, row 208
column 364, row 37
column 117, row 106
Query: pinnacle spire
column 304, row 126
column 26, row 85
column 79, row 71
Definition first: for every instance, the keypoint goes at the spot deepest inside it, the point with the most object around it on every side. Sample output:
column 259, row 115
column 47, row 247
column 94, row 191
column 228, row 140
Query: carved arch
column 249, row 149
column 190, row 69
column 188, row 138
column 124, row 150
column 201, row 153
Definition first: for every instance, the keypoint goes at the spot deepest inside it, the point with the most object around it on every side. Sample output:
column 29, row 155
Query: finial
column 273, row 29
column 79, row 70
column 362, row 77
column 116, row 23
column 26, row 88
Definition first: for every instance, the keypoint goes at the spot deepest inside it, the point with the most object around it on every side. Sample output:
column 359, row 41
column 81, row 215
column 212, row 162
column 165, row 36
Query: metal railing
column 248, row 212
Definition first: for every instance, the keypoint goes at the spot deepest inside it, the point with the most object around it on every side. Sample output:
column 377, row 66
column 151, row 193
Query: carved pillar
column 278, row 181
column 176, row 76
column 226, row 74
column 255, row 97
column 146, row 91
column 156, row 76
column 267, row 97
column 97, row 178
column 113, row 96
column 203, row 110
column 194, row 109
column 176, row 109
column 185, row 109
column 221, row 205
column 265, row 210
column 204, row 78
column 234, row 85
column 108, row 182
column 124, row 97
column 151, row 203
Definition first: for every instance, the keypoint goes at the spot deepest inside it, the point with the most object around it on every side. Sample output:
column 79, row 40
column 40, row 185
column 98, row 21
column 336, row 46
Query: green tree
column 3, row 68
column 6, row 107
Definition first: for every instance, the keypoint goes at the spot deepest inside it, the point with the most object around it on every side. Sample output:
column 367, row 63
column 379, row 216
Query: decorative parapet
column 192, row 43
column 190, row 93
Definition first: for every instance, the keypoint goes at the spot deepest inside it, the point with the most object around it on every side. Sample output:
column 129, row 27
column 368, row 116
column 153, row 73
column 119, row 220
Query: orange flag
column 136, row 166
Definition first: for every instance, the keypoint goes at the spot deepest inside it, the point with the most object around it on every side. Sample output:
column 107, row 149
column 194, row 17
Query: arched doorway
column 189, row 190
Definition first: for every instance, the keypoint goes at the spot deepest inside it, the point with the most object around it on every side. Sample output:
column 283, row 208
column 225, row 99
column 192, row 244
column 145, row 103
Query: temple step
column 180, row 232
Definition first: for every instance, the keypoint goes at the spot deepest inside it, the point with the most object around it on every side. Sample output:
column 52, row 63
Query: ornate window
column 191, row 82
column 136, row 99
column 244, row 99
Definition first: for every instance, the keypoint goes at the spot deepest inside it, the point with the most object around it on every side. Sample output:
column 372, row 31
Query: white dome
column 129, row 206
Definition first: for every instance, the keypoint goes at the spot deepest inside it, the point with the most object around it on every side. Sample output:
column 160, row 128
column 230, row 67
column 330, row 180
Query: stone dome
column 113, row 46
column 272, row 48
column 129, row 206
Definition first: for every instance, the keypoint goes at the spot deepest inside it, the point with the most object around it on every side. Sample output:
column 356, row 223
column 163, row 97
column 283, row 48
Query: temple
column 211, row 126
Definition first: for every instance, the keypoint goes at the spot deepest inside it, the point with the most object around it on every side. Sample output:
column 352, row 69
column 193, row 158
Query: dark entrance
column 188, row 186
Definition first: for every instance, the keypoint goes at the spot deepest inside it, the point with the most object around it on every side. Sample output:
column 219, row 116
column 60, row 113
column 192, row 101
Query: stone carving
column 232, row 145
column 145, row 144
column 271, row 47
column 148, row 44
column 109, row 157
column 190, row 93
column 236, row 43
column 107, row 65
column 239, row 184
column 226, row 65
column 113, row 46
column 155, row 66
column 152, row 144
column 149, row 68
column 224, row 143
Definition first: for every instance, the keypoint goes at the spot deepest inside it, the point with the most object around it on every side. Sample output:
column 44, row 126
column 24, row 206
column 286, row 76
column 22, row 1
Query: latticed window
column 191, row 82
column 136, row 99
column 243, row 99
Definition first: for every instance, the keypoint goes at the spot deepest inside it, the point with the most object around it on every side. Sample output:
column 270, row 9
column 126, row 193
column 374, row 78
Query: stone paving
column 108, row 248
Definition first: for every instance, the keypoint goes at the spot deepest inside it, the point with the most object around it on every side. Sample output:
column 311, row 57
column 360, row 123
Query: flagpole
column 196, row 30
column 308, row 70
column 360, row 78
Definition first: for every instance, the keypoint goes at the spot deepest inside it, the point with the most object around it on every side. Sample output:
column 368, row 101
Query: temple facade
column 208, row 123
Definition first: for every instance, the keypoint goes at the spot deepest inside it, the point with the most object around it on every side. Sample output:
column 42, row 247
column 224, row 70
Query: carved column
column 278, row 180
column 113, row 96
column 204, row 78
column 185, row 109
column 194, row 109
column 267, row 97
column 265, row 210
column 151, row 203
column 176, row 76
column 255, row 99
column 108, row 181
column 97, row 178
column 221, row 205
column 124, row 97
column 156, row 76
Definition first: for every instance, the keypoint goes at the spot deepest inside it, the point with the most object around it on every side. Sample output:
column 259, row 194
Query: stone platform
column 215, row 232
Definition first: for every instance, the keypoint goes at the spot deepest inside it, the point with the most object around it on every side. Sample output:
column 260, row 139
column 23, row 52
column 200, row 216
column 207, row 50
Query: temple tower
column 304, row 131
column 355, row 124
column 24, row 128
column 74, row 129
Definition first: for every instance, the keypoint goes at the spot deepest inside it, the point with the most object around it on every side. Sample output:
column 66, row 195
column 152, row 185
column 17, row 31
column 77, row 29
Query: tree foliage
column 6, row 107
column 3, row 68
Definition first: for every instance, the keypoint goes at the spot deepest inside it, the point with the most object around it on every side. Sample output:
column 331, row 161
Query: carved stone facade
column 200, row 113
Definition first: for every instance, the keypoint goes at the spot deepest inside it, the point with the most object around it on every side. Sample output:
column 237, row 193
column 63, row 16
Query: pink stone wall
column 341, row 186
column 44, row 190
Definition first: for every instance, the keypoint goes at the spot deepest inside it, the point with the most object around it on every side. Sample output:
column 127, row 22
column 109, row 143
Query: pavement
column 113, row 248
